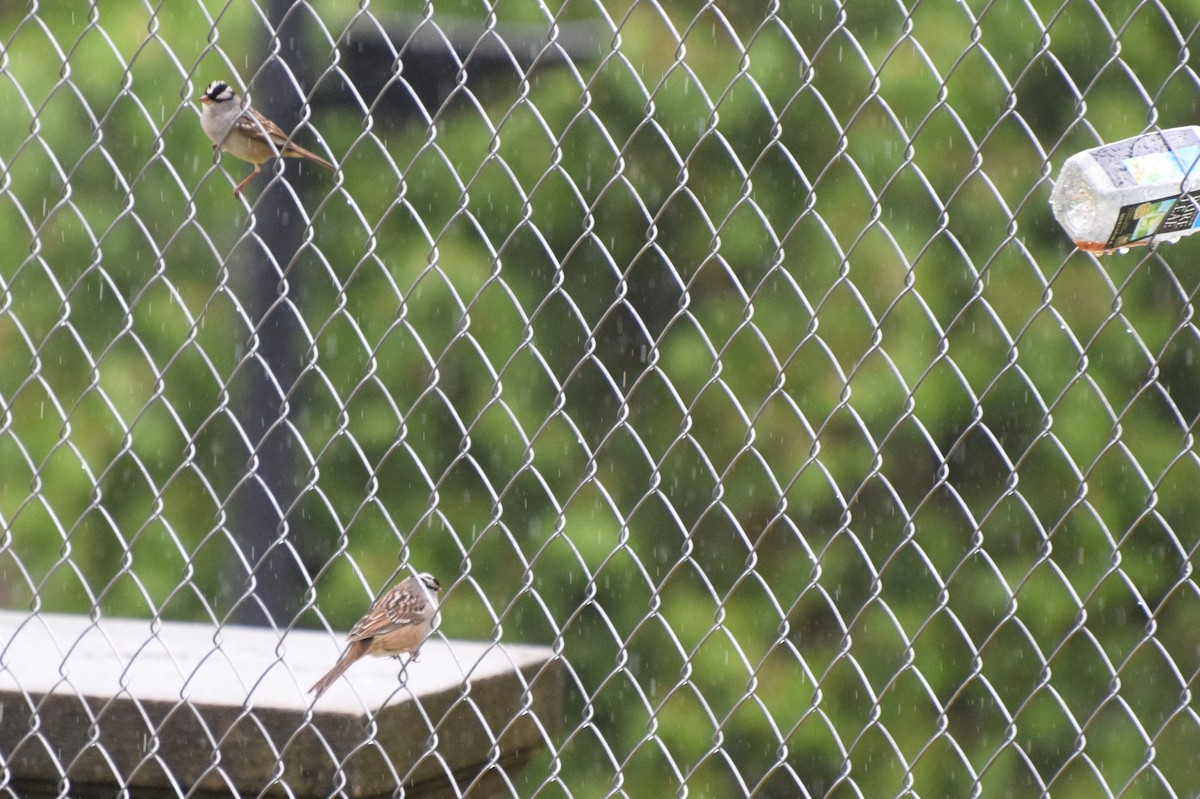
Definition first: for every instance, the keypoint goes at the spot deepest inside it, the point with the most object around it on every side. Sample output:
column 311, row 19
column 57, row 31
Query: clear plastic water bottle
column 1132, row 192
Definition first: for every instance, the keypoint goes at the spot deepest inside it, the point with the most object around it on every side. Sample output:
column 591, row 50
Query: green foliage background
column 741, row 360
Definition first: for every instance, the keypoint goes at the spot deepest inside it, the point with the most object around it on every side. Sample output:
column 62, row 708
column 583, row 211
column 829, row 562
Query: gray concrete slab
column 164, row 708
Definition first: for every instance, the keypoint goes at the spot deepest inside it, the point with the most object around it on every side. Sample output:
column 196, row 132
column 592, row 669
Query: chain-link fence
column 727, row 349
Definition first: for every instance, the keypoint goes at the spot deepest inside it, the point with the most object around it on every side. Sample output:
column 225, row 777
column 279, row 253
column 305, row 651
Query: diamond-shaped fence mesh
column 728, row 349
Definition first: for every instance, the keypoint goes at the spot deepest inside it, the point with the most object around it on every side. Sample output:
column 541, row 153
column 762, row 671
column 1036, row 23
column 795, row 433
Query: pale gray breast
column 216, row 118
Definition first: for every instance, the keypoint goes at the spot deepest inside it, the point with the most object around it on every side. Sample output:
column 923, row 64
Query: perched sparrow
column 238, row 129
column 397, row 623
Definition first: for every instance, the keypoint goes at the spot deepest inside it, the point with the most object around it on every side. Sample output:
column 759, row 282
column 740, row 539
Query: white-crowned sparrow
column 397, row 623
column 235, row 127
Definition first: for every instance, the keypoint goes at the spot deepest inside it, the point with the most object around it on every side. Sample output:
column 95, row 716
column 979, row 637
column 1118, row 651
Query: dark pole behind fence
column 270, row 534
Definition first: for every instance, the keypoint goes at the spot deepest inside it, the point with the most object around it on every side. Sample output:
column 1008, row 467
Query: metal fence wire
column 727, row 349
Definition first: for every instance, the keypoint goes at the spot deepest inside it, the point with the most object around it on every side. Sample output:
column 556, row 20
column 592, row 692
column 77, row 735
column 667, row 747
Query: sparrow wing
column 403, row 606
column 257, row 126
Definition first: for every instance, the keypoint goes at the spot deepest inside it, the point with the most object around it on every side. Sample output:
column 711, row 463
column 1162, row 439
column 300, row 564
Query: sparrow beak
column 204, row 99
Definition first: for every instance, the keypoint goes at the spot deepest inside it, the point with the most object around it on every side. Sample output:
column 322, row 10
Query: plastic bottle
column 1132, row 192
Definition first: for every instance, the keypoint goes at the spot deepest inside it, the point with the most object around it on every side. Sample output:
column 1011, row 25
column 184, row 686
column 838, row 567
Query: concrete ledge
column 166, row 708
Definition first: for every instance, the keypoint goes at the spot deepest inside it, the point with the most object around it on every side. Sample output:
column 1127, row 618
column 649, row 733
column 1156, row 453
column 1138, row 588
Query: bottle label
column 1155, row 217
column 1168, row 155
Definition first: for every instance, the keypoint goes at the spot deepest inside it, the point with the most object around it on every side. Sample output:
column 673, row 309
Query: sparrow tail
column 353, row 652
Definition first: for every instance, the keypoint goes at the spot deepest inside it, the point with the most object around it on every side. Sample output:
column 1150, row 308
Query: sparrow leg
column 237, row 190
